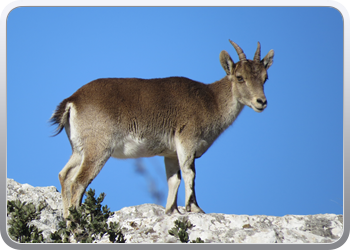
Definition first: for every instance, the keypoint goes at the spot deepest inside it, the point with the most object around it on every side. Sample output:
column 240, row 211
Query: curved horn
column 240, row 52
column 257, row 54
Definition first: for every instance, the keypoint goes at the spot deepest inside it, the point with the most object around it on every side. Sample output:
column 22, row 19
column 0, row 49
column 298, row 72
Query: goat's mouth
column 259, row 110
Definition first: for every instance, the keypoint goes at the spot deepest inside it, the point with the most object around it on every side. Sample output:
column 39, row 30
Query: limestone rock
column 147, row 223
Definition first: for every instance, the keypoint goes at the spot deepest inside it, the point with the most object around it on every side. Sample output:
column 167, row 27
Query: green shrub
column 85, row 223
column 88, row 222
column 180, row 231
column 21, row 214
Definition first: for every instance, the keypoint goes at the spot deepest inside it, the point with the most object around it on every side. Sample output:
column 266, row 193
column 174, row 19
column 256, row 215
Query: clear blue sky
column 285, row 160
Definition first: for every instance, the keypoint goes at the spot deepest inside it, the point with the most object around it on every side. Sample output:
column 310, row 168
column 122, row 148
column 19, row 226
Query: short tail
column 60, row 116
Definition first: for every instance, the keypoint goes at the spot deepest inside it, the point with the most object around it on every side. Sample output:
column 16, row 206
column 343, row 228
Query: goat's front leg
column 186, row 162
column 174, row 178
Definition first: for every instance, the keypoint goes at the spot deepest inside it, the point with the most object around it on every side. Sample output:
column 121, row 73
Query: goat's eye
column 240, row 78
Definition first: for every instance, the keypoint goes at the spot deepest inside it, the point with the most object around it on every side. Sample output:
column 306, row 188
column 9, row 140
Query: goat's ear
column 268, row 59
column 226, row 62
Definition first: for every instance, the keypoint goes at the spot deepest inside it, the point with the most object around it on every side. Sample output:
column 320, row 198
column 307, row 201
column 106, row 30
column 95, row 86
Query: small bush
column 198, row 240
column 180, row 231
column 21, row 215
column 88, row 222
column 85, row 224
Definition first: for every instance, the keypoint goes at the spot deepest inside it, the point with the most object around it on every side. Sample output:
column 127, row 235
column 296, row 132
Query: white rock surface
column 147, row 223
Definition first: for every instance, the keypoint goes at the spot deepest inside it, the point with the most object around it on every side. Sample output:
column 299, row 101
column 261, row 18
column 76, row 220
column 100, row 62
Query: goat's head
column 248, row 76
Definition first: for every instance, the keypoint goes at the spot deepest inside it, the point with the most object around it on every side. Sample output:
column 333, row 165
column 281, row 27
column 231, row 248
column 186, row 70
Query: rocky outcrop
column 147, row 223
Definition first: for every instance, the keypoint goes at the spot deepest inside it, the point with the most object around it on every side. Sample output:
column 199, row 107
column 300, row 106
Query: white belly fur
column 133, row 147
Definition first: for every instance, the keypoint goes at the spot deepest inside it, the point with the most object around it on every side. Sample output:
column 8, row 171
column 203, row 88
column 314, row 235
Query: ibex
column 174, row 117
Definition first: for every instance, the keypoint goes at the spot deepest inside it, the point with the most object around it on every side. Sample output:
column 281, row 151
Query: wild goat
column 174, row 117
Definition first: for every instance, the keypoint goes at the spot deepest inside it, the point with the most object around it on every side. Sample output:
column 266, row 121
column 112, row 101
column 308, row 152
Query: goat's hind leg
column 93, row 161
column 65, row 177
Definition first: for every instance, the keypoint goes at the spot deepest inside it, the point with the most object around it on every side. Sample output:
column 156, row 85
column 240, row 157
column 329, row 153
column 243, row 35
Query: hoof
column 173, row 211
column 194, row 209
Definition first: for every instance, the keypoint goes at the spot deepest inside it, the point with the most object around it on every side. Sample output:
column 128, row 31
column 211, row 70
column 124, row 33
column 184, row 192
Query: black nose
column 261, row 101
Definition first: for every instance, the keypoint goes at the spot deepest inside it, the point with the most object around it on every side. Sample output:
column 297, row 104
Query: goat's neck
column 228, row 106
